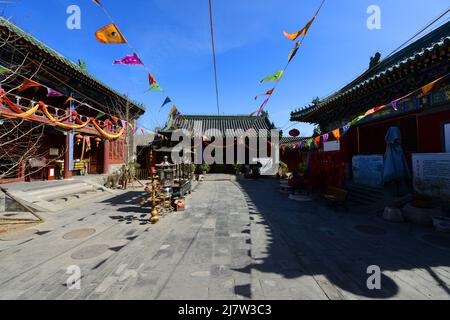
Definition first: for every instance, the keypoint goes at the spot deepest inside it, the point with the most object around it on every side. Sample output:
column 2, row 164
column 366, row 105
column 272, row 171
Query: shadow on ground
column 128, row 203
column 310, row 239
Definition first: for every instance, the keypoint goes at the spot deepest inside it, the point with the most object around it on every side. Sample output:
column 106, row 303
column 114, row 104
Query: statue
column 82, row 64
column 112, row 180
column 124, row 177
column 375, row 60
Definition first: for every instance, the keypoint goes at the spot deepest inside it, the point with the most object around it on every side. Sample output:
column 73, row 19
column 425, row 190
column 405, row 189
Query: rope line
column 214, row 55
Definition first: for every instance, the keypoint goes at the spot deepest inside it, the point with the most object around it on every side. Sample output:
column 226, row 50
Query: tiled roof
column 291, row 140
column 75, row 67
column 434, row 41
column 218, row 125
column 144, row 140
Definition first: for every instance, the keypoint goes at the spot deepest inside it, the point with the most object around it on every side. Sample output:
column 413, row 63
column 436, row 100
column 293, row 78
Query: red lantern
column 74, row 115
column 294, row 133
column 79, row 137
column 97, row 141
column 115, row 119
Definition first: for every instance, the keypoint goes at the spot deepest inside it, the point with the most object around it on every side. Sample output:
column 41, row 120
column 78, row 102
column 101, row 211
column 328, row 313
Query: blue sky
column 172, row 37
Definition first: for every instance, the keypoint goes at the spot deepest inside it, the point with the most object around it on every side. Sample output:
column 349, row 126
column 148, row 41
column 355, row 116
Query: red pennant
column 151, row 79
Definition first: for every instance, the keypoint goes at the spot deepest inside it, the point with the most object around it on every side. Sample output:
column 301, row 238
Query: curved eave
column 437, row 51
column 62, row 64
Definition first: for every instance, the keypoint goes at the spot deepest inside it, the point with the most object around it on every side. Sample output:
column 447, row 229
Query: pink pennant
column 53, row 93
column 132, row 59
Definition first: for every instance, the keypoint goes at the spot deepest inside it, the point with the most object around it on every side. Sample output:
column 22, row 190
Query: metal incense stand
column 155, row 184
column 166, row 173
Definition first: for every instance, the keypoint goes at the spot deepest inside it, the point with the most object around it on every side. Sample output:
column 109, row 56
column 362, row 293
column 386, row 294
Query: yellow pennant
column 110, row 34
column 304, row 31
column 337, row 134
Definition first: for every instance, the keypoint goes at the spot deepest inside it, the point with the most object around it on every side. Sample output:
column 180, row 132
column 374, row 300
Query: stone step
column 365, row 197
column 45, row 191
column 362, row 188
column 53, row 198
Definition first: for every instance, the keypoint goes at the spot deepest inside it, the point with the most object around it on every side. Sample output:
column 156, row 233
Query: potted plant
column 283, row 170
column 237, row 168
column 205, row 168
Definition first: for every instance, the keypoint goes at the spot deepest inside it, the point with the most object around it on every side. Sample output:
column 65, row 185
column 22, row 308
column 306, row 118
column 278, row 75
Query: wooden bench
column 335, row 196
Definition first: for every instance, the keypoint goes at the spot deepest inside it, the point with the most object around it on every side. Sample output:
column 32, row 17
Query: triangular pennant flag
column 167, row 101
column 27, row 83
column 346, row 128
column 110, row 34
column 4, row 70
column 132, row 60
column 262, row 106
column 304, row 31
column 156, row 87
column 325, row 137
column 135, row 129
column 100, row 114
column 336, row 134
column 294, row 51
column 427, row 88
column 268, row 93
column 124, row 123
column 357, row 119
column 317, row 141
column 53, row 93
column 173, row 111
column 143, row 131
column 151, row 79
column 69, row 99
column 373, row 110
column 394, row 104
column 274, row 77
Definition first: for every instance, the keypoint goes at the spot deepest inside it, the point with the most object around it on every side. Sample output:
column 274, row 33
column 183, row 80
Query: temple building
column 408, row 90
column 82, row 123
column 204, row 129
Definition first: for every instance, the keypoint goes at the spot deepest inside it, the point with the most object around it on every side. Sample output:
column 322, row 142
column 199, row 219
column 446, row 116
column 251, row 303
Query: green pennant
column 274, row 77
column 101, row 114
column 156, row 87
column 356, row 120
column 4, row 70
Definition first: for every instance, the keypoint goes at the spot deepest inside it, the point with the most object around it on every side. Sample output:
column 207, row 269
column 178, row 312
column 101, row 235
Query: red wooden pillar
column 106, row 160
column 67, row 172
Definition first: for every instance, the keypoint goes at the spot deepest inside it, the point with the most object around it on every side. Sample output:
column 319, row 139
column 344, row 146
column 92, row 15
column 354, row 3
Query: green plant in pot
column 205, row 168
column 283, row 169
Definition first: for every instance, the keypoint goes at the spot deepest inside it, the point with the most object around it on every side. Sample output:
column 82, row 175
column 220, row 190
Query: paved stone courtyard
column 236, row 240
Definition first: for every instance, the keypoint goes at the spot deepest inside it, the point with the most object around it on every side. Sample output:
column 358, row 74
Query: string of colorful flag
column 52, row 93
column 277, row 76
column 111, row 34
column 79, row 124
column 314, row 142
